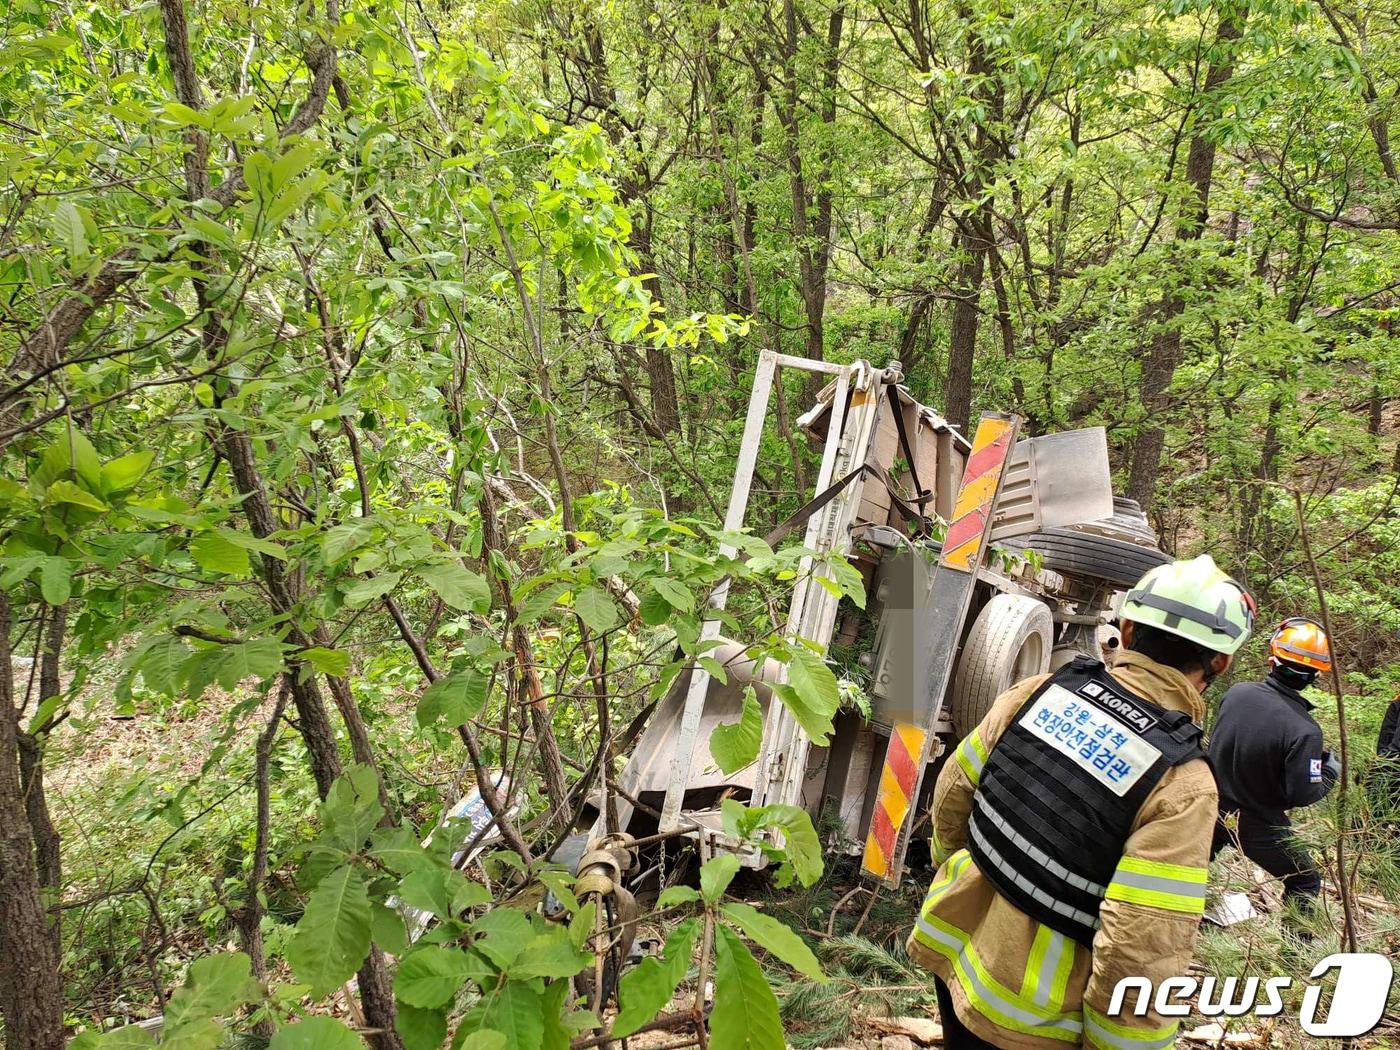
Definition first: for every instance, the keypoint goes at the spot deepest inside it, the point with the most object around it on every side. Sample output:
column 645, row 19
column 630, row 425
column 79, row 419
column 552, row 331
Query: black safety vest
column 1062, row 787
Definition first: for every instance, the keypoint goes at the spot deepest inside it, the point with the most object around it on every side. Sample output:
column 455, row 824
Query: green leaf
column 352, row 809
column 501, row 934
column 581, row 925
column 468, row 894
column 516, row 1012
column 550, row 954
column 801, row 849
column 45, row 711
column 596, row 608
column 346, row 538
column 372, row 589
column 654, row 609
column 773, row 936
column 216, row 985
column 180, row 115
column 160, row 665
column 676, row 594
column 399, row 849
column 672, row 896
column 716, row 670
column 259, row 658
column 316, row 1033
column 333, row 935
column 649, row 986
column 421, row 1029
column 387, row 929
column 215, row 553
column 716, row 874
column 848, row 580
column 458, row 586
column 131, row 1037
column 121, row 474
column 427, row 889
column 70, row 454
column 560, row 1025
column 540, row 601
column 813, row 695
column 458, row 698
column 250, row 542
column 197, row 1035
column 429, row 977
column 734, row 745
column 69, row 230
column 745, row 1015
column 62, row 491
column 561, row 884
column 18, row 568
column 333, row 662
column 56, row 580
column 483, row 1039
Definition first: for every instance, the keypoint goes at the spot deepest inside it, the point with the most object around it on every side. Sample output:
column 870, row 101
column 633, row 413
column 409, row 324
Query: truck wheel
column 1010, row 641
column 1085, row 555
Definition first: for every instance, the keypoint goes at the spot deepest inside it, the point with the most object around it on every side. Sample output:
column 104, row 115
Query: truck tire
column 1127, row 523
column 1094, row 557
column 1010, row 641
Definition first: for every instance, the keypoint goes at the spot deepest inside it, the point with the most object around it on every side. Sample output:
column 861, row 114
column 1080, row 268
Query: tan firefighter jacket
column 1017, row 983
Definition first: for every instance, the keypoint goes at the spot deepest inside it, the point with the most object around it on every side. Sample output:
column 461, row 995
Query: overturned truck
column 984, row 562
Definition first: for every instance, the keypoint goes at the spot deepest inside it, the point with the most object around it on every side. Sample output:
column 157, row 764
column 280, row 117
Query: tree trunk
column 31, row 995
column 923, row 297
column 974, row 235
column 633, row 187
column 249, row 915
column 1164, row 354
column 47, row 841
column 313, row 720
column 811, row 233
column 665, row 406
column 962, row 337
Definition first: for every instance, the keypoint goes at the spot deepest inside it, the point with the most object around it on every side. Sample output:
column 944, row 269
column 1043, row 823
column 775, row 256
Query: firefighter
column 1072, row 829
column 1383, row 779
column 1268, row 757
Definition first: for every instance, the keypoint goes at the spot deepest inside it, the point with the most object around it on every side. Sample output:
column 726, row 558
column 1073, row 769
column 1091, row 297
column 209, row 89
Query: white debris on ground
column 1215, row 1035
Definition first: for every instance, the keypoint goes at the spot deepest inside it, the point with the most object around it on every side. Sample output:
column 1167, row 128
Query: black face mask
column 1293, row 677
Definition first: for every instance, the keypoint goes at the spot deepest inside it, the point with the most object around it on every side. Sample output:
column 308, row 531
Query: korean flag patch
column 1315, row 770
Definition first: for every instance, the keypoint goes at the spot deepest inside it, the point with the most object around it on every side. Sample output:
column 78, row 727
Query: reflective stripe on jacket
column 1019, row 984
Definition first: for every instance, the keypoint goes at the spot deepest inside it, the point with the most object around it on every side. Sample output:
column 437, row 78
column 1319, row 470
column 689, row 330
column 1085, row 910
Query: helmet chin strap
column 1208, row 670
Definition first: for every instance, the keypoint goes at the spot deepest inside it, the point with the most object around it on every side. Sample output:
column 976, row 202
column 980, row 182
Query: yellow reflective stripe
column 972, row 756
column 1163, row 870
column 1059, row 986
column 1048, row 968
column 1157, row 884
column 1034, row 961
column 1112, row 1035
column 987, row 996
column 945, row 877
column 940, row 851
column 1157, row 899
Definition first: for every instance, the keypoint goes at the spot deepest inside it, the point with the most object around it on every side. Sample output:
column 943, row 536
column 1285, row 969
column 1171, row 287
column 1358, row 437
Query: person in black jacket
column 1268, row 757
column 1383, row 780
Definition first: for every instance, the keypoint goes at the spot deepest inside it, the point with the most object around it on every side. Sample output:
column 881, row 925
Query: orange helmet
column 1301, row 642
